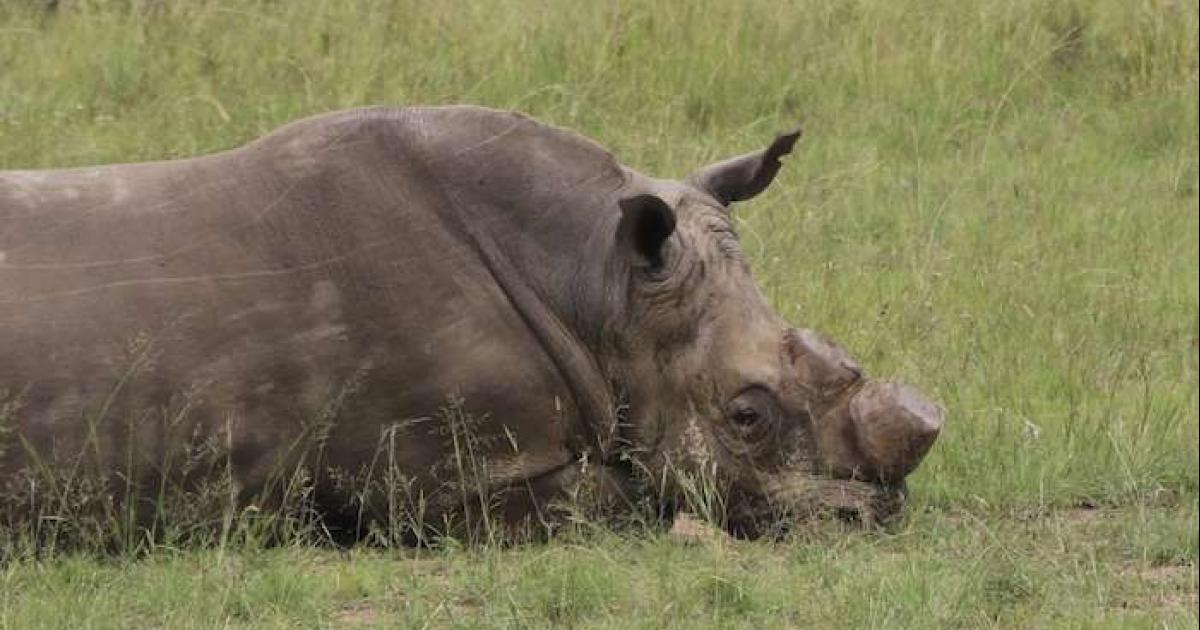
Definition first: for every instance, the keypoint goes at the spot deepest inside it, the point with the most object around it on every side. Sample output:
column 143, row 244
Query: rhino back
column 314, row 277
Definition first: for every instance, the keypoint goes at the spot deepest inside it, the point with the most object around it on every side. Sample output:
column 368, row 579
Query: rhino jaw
column 894, row 427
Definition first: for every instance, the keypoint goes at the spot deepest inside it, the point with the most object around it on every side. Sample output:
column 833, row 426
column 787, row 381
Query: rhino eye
column 745, row 416
column 750, row 408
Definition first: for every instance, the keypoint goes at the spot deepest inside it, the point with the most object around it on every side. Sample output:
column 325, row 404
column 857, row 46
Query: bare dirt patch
column 1086, row 514
column 427, row 567
column 691, row 530
column 1167, row 586
column 356, row 614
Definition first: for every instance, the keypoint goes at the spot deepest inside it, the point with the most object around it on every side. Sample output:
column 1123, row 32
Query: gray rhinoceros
column 465, row 307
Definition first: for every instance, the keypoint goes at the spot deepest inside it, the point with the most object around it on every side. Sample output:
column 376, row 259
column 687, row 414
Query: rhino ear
column 743, row 177
column 646, row 224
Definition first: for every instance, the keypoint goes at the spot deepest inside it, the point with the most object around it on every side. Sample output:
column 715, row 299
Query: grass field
column 994, row 200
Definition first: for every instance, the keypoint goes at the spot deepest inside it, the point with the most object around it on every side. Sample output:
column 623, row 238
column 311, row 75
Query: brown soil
column 356, row 614
column 692, row 530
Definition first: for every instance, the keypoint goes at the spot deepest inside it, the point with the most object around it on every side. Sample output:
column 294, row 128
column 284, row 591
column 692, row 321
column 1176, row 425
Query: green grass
column 994, row 200
column 945, row 569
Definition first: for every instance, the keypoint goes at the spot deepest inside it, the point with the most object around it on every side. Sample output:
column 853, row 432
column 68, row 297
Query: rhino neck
column 536, row 203
column 595, row 430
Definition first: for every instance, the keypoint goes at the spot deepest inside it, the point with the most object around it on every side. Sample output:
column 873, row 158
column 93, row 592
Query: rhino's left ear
column 743, row 177
column 646, row 224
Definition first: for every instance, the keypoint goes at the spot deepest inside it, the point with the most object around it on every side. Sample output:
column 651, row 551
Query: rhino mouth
column 883, row 504
column 849, row 501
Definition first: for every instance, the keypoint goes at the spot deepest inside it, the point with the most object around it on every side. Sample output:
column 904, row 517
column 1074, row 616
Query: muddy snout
column 892, row 426
column 876, row 431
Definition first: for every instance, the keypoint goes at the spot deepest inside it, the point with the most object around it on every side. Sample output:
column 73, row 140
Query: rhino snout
column 894, row 426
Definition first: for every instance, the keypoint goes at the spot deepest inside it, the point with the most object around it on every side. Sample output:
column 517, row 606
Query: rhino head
column 720, row 388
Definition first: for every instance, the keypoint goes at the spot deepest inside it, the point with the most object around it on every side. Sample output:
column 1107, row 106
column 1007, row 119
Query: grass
column 993, row 200
column 946, row 568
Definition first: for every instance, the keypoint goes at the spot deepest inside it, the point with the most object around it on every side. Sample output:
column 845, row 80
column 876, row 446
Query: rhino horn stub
column 894, row 426
column 820, row 366
column 745, row 176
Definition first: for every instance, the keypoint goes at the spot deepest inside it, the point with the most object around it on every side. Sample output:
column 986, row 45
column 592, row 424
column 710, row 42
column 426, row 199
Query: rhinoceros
column 480, row 313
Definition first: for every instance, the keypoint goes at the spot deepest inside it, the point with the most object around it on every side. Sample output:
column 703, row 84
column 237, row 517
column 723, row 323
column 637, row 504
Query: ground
column 945, row 568
column 993, row 200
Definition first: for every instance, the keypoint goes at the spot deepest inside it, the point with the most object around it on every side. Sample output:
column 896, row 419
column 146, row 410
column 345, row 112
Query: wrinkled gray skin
column 338, row 281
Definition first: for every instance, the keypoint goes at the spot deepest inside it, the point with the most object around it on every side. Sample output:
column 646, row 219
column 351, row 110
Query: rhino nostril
column 851, row 515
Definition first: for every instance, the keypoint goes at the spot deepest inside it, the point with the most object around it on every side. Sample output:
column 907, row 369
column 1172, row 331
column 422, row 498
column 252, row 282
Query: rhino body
column 485, row 312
